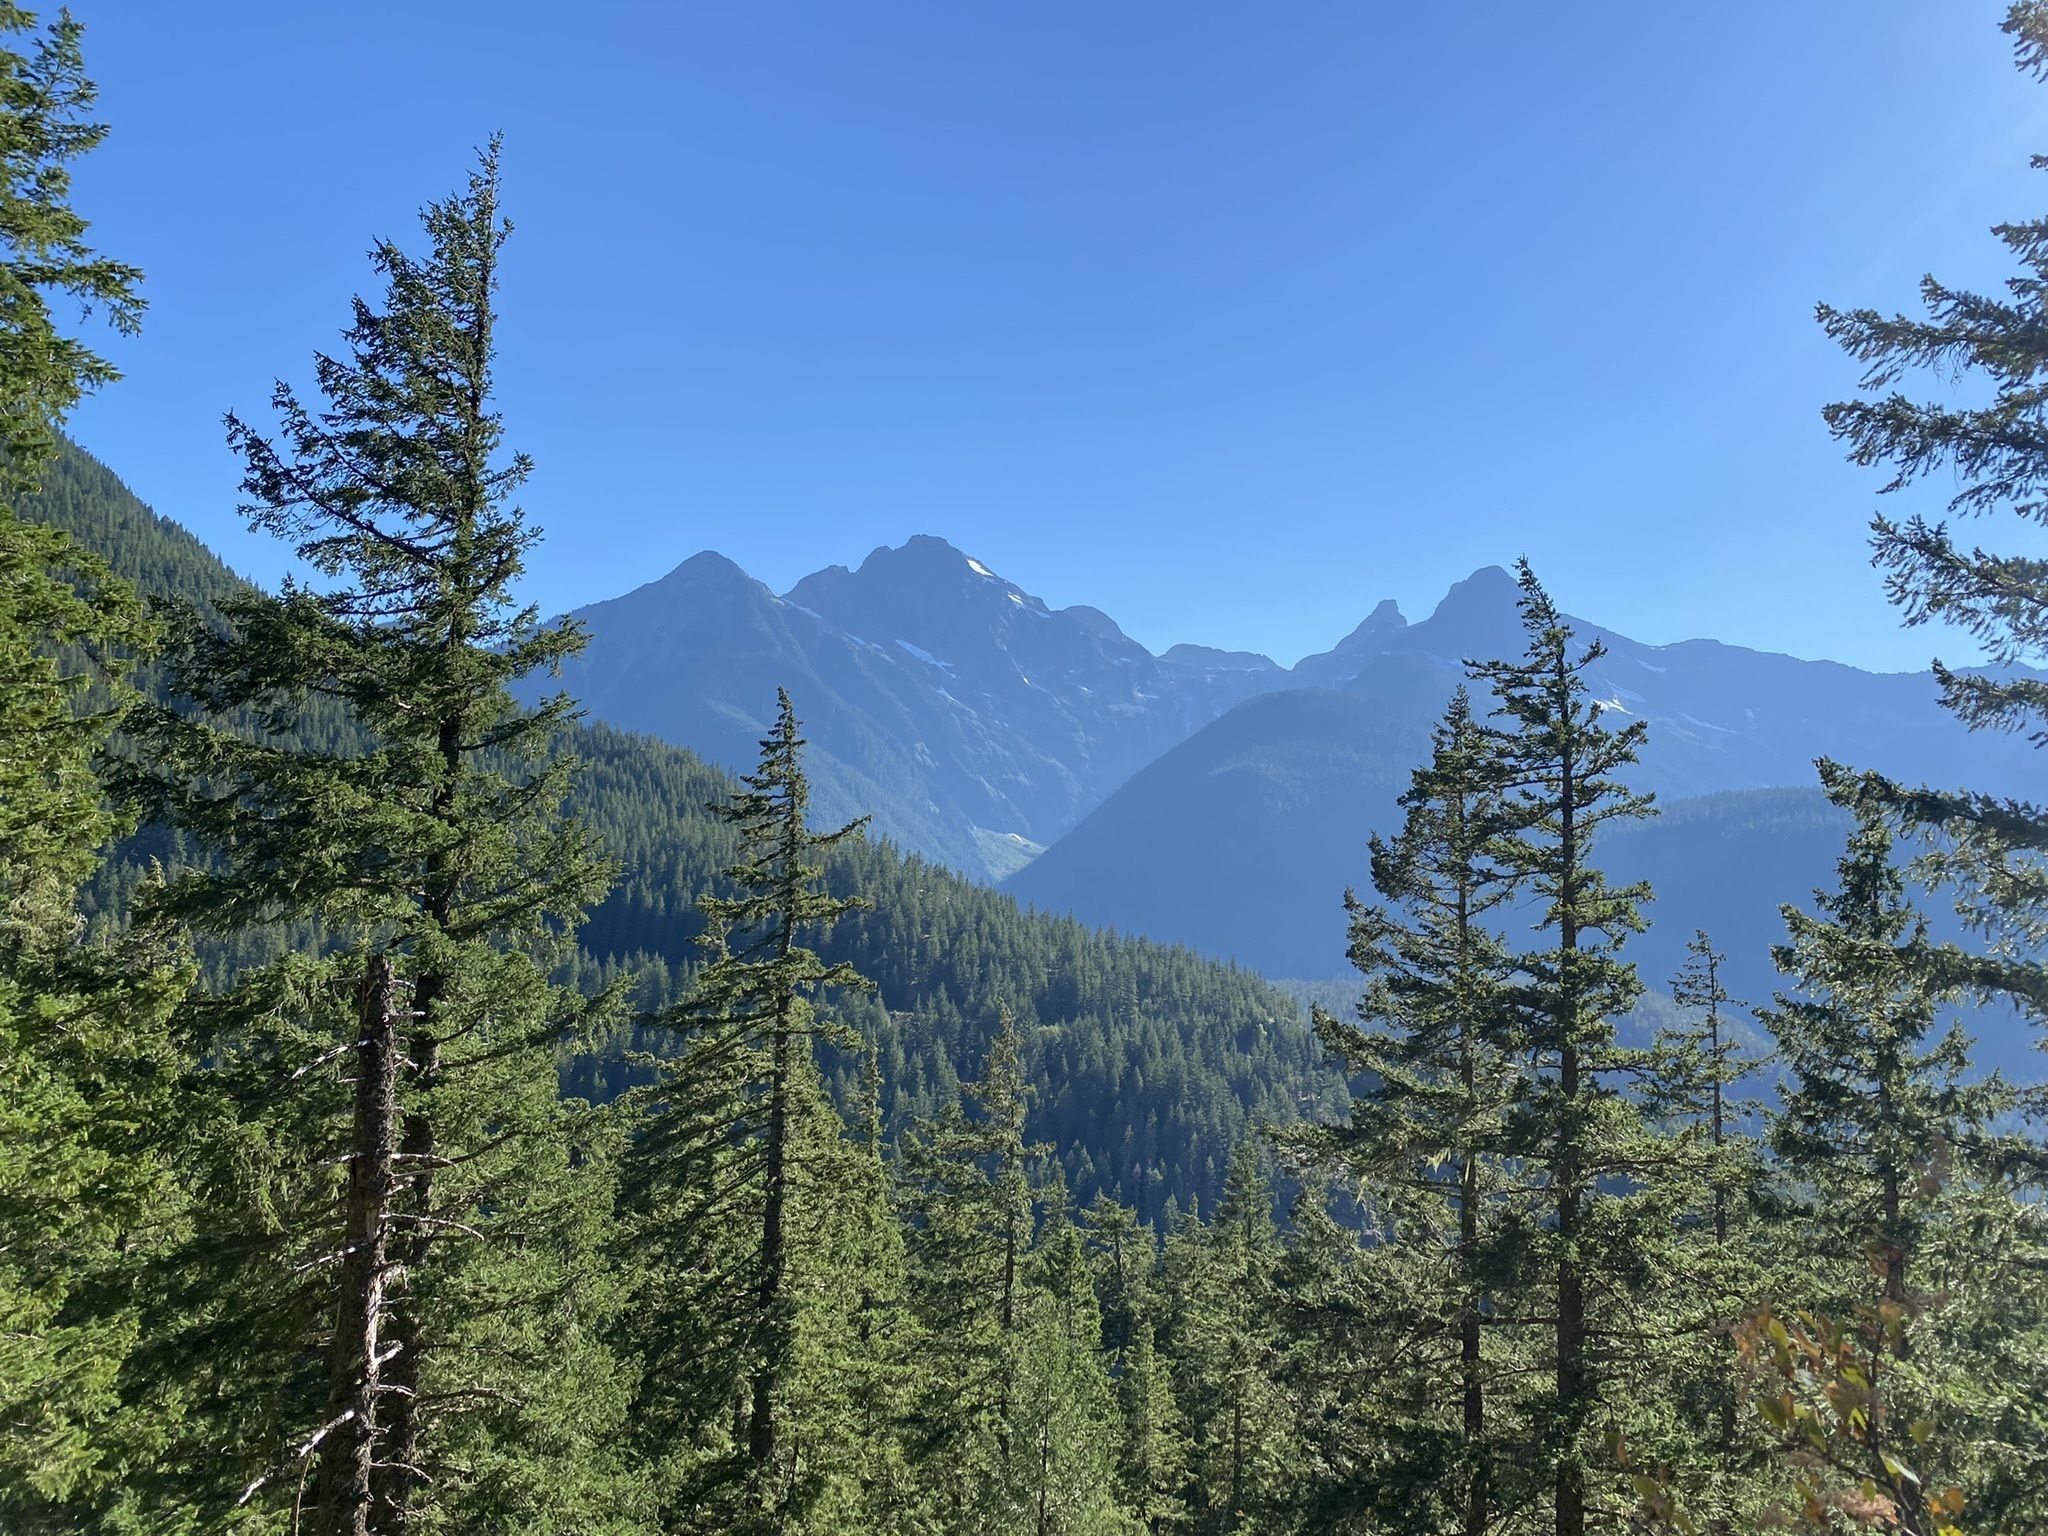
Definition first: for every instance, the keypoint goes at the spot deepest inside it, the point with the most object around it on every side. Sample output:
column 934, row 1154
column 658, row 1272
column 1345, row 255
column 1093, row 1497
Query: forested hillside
column 425, row 1114
column 1148, row 1062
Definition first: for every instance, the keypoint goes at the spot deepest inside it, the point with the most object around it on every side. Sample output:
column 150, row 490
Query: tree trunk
column 761, row 1426
column 1470, row 1380
column 398, row 1473
column 1572, row 1387
column 1468, row 1347
column 343, row 1491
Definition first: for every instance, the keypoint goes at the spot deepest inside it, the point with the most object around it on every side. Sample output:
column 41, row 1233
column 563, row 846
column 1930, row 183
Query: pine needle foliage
column 402, row 1211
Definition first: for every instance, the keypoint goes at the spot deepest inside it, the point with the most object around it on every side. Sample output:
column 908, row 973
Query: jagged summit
column 1355, row 649
column 1385, row 619
column 974, row 720
column 923, row 570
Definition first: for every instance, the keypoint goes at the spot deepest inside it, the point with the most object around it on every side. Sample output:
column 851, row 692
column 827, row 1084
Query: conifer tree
column 1712, row 1065
column 1123, row 1252
column 971, row 1227
column 1424, row 1146
column 1222, row 1333
column 1986, row 848
column 1153, row 1461
column 396, row 1318
column 1888, row 1139
column 1597, row 1234
column 1064, row 1430
column 83, row 1049
column 756, row 1210
column 1694, row 1094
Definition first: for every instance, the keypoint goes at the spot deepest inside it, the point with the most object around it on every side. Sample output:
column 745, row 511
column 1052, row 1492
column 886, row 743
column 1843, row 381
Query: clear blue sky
column 1229, row 319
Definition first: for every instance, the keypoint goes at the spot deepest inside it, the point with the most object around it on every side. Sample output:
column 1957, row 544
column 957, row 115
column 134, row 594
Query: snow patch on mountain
column 925, row 656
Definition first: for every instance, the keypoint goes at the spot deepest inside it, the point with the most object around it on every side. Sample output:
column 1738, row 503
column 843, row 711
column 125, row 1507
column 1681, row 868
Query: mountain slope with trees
column 1149, row 1060
column 335, row 1199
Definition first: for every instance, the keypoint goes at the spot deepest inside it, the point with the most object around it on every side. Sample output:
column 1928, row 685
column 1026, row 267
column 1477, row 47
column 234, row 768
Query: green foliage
column 1426, row 1145
column 1987, row 849
column 1150, row 1061
column 336, row 1241
column 84, row 1054
column 1901, row 1177
column 399, row 1211
column 755, row 1222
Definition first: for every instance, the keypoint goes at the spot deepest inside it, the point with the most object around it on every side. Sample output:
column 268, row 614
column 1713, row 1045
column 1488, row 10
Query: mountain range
column 1202, row 797
column 973, row 722
column 1288, row 787
column 1213, row 797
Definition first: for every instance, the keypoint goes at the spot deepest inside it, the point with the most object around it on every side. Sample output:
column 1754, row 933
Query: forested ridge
column 1148, row 1065
column 422, row 1113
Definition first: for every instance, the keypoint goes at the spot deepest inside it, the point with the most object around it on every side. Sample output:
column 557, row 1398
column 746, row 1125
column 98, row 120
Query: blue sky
column 1228, row 319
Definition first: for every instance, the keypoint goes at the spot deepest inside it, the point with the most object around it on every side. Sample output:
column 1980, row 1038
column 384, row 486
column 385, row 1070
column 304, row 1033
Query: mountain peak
column 706, row 563
column 1488, row 591
column 1357, row 648
column 1477, row 617
column 1385, row 618
column 927, row 551
column 1094, row 620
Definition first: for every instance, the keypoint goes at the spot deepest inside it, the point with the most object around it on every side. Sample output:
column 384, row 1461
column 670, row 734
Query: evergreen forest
column 425, row 1110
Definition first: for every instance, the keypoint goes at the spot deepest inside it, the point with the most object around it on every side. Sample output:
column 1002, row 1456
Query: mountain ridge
column 978, row 724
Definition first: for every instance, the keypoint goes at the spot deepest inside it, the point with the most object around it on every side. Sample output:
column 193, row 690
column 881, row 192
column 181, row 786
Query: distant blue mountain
column 1212, row 797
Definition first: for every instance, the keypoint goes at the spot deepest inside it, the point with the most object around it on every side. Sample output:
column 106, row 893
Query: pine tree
column 1221, row 1331
column 753, row 1201
column 1987, row 848
column 83, row 1049
column 1123, row 1252
column 1424, row 1146
column 971, row 1228
column 1711, row 1066
column 1701, row 1066
column 394, row 1325
column 1597, row 1232
column 1153, row 1464
column 1888, row 1140
column 1064, row 1430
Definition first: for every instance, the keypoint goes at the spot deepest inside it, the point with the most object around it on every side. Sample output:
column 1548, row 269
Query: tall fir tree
column 84, row 1053
column 1221, row 1329
column 1986, row 849
column 756, row 1214
column 1605, row 1191
column 1064, row 1430
column 1892, row 1146
column 1696, row 1095
column 1152, row 1464
column 968, row 1203
column 1424, row 1149
column 398, row 1314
